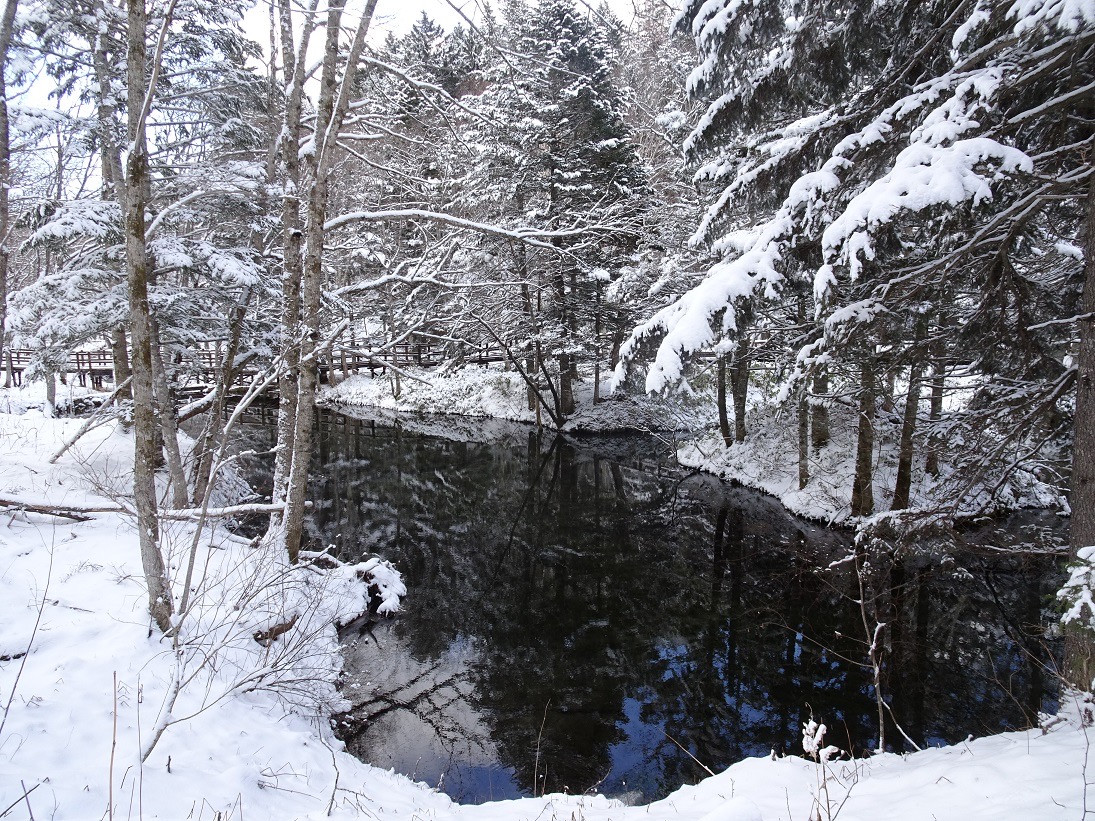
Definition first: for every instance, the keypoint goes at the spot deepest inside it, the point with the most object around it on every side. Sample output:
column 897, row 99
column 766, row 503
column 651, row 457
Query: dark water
column 583, row 615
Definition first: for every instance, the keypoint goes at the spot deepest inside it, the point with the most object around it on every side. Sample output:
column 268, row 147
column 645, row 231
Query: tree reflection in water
column 582, row 614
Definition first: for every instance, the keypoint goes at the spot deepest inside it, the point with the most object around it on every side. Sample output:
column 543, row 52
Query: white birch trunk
column 334, row 102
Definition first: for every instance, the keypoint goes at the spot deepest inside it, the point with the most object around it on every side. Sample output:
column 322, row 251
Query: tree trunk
column 597, row 329
column 51, row 392
column 106, row 97
column 803, row 441
column 803, row 414
column 566, row 385
column 7, row 24
column 169, row 424
column 888, row 392
column 903, row 484
column 533, row 398
column 720, row 395
column 819, row 422
column 292, row 262
column 532, row 366
column 134, row 200
column 739, row 385
column 299, row 446
column 547, row 377
column 935, row 409
column 1080, row 639
column 330, row 113
column 863, row 484
column 614, row 353
column 119, row 352
column 565, row 401
column 209, row 440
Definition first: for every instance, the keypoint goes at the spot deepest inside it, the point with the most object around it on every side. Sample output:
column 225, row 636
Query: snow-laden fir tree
column 171, row 137
column 555, row 153
column 926, row 196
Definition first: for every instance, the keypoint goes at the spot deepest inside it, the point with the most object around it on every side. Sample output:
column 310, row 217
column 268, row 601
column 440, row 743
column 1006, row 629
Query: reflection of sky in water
column 635, row 762
column 569, row 610
column 440, row 737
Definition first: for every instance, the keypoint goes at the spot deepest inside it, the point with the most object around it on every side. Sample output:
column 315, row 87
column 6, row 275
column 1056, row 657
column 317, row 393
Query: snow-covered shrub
column 1078, row 621
column 260, row 623
column 813, row 742
column 832, row 789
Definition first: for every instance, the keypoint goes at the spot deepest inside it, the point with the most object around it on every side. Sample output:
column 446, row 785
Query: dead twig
column 21, row 798
column 95, row 419
column 687, row 752
column 83, row 514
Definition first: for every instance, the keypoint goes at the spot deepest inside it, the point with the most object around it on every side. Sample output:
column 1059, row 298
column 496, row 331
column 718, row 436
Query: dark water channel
column 581, row 614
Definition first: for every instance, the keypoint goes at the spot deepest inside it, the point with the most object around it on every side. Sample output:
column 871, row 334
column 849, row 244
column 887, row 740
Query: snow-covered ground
column 84, row 682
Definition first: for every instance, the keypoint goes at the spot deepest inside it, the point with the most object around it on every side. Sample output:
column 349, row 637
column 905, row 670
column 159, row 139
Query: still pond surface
column 582, row 615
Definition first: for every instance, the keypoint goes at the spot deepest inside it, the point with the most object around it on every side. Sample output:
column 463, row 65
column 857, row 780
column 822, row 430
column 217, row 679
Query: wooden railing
column 206, row 361
column 93, row 366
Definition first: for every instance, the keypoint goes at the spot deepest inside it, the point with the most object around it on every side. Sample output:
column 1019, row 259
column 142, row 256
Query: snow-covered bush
column 813, row 742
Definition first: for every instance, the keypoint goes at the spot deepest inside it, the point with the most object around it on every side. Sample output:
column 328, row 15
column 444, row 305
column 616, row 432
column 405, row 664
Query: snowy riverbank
column 83, row 681
column 766, row 461
column 490, row 392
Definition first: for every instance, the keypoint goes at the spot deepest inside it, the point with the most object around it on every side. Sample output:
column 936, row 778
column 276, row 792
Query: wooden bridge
column 204, row 363
column 88, row 366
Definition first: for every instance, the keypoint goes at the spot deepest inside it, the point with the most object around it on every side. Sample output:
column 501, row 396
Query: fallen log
column 48, row 510
column 83, row 514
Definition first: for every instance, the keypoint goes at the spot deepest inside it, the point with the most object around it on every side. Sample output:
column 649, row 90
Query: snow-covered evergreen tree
column 207, row 186
column 911, row 169
column 555, row 153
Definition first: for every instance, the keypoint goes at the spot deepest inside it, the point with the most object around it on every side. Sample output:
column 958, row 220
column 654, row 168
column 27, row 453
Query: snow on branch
column 79, row 219
column 1064, row 15
column 923, row 176
column 423, row 86
column 529, row 236
column 687, row 323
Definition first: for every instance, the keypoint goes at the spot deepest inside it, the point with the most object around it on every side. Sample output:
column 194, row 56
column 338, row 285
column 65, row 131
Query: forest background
column 874, row 220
